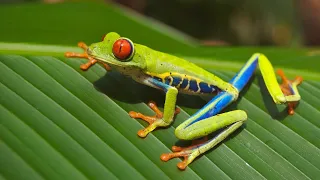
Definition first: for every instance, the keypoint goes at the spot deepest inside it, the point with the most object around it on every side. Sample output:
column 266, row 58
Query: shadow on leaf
column 272, row 108
column 125, row 89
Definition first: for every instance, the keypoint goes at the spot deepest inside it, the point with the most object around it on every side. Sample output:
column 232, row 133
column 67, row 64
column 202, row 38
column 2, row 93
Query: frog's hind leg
column 233, row 120
column 202, row 124
column 207, row 119
column 287, row 92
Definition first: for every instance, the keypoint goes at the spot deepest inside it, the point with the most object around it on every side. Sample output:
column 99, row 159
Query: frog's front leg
column 160, row 119
column 91, row 60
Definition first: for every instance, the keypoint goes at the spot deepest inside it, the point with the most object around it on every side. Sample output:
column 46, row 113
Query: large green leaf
column 58, row 122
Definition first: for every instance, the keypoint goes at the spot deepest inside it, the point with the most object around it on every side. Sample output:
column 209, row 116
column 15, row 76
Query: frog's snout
column 93, row 49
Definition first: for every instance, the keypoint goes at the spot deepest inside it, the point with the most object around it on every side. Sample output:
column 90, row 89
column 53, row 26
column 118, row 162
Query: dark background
column 233, row 22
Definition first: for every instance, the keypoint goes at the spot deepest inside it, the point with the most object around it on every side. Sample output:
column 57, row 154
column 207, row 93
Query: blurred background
column 232, row 22
column 239, row 22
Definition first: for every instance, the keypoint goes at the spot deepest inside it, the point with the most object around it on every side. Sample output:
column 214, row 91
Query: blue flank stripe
column 159, row 84
column 184, row 83
column 167, row 80
column 176, row 80
column 157, row 78
column 205, row 88
column 193, row 85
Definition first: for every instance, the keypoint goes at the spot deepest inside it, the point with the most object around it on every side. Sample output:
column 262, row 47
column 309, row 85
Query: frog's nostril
column 89, row 51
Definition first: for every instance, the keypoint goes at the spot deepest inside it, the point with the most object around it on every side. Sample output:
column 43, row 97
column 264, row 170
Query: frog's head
column 117, row 51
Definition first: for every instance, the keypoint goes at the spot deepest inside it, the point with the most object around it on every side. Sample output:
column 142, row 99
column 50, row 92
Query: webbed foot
column 286, row 87
column 188, row 153
column 154, row 121
column 91, row 60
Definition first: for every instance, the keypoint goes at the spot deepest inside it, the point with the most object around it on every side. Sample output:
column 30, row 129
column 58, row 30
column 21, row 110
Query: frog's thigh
column 206, row 126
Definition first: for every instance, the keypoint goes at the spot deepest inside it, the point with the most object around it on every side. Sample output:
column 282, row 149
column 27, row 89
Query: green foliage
column 58, row 122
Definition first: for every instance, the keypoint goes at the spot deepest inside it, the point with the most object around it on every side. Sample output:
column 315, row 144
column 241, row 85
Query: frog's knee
column 180, row 132
column 234, row 92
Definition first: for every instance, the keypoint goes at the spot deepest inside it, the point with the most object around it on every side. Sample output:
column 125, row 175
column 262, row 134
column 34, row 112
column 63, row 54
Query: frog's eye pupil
column 122, row 49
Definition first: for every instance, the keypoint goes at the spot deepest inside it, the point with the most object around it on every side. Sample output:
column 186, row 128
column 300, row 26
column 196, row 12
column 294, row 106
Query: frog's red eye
column 122, row 49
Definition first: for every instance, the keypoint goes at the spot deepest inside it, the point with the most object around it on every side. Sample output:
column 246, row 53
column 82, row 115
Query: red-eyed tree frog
column 172, row 75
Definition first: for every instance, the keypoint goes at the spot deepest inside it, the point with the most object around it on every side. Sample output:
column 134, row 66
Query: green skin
column 146, row 62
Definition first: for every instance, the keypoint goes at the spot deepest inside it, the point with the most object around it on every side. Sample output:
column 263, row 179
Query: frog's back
column 180, row 73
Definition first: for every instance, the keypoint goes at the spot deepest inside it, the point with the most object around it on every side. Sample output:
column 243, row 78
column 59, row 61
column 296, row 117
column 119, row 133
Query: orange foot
column 188, row 153
column 285, row 87
column 91, row 61
column 153, row 121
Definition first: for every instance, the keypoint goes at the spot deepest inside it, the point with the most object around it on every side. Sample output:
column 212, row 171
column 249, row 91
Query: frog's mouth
column 100, row 59
column 110, row 60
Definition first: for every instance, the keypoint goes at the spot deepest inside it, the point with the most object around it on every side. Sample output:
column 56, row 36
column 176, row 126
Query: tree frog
column 174, row 75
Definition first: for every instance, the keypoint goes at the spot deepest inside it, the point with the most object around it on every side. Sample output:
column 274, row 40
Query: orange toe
column 286, row 88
